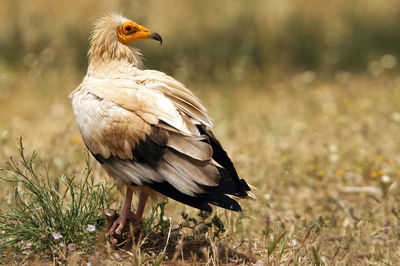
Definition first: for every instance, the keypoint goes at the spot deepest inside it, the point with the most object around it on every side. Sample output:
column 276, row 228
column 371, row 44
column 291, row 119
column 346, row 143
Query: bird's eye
column 128, row 28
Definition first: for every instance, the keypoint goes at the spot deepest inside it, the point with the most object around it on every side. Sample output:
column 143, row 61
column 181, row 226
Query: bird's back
column 146, row 128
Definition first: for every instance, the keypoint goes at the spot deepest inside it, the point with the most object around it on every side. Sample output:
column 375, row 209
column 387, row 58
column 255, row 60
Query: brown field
column 318, row 141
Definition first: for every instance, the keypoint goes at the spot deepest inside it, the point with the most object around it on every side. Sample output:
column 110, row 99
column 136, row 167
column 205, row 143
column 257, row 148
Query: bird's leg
column 125, row 215
column 142, row 202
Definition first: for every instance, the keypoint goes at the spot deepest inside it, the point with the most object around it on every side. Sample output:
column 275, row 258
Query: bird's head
column 111, row 36
column 130, row 31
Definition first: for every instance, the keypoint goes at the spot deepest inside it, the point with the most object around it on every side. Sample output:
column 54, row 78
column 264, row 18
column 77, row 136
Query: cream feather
column 120, row 108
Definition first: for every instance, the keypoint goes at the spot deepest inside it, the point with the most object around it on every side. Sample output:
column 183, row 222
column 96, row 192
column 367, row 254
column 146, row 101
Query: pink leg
column 125, row 215
column 142, row 202
column 126, row 209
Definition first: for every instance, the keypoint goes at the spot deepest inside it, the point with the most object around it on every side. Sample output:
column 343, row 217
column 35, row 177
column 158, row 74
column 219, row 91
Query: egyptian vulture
column 148, row 130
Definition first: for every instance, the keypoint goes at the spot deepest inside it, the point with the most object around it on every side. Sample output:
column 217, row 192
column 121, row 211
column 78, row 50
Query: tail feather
column 168, row 190
column 230, row 182
column 223, row 201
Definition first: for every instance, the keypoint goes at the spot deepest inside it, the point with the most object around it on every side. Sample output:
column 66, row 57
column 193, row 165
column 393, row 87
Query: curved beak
column 156, row 36
column 135, row 32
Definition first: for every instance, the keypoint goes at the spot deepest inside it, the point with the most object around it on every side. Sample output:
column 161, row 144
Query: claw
column 120, row 223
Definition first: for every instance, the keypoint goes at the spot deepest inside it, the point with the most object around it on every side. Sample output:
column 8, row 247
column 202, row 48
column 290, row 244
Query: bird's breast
column 107, row 128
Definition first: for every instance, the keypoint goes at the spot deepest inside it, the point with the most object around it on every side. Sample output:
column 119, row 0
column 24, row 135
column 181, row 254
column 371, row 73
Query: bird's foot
column 119, row 224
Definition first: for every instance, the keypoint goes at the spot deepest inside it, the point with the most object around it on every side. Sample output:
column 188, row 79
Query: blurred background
column 308, row 73
column 304, row 95
column 208, row 41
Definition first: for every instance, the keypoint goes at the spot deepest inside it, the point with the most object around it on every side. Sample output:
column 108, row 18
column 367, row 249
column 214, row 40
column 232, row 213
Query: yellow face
column 131, row 31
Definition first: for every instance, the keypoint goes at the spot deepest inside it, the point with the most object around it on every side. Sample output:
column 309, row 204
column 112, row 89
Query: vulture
column 147, row 130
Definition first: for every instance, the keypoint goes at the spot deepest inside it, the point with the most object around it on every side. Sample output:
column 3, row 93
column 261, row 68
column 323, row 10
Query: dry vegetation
column 321, row 146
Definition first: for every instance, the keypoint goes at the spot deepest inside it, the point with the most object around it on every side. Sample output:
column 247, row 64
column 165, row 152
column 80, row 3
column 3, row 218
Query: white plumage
column 147, row 129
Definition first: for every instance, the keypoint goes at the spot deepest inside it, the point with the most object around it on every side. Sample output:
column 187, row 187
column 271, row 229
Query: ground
column 323, row 156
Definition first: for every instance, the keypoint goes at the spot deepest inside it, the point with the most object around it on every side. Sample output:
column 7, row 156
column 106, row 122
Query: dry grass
column 323, row 153
column 323, row 156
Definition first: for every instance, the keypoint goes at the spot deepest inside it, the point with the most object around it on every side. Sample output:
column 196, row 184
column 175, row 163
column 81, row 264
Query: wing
column 141, row 134
column 182, row 98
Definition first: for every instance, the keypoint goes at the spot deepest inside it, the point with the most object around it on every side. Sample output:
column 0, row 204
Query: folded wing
column 152, row 132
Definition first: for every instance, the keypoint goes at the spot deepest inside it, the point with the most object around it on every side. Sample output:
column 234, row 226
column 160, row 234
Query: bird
column 147, row 130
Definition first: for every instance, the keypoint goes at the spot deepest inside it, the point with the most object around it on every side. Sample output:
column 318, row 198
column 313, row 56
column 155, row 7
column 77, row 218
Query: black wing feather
column 230, row 182
column 150, row 151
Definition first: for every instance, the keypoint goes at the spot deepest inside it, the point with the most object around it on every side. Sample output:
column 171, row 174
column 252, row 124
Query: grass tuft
column 52, row 216
column 157, row 220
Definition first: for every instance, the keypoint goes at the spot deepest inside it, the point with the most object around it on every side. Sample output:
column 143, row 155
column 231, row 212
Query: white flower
column 91, row 228
column 333, row 157
column 396, row 116
column 333, row 148
column 164, row 218
column 347, row 223
column 267, row 196
column 4, row 136
column 386, row 179
column 71, row 247
column 294, row 243
column 57, row 236
column 27, row 246
column 117, row 256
